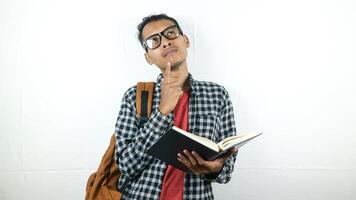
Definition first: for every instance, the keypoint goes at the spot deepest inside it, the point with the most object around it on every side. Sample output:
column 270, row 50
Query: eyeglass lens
column 155, row 40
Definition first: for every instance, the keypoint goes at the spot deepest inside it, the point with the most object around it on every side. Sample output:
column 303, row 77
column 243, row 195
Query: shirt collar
column 190, row 77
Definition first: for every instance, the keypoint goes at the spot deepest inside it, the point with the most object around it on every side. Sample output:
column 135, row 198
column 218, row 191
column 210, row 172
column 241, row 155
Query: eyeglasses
column 154, row 41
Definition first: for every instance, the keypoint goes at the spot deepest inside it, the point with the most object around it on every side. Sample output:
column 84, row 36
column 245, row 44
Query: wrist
column 213, row 175
column 218, row 168
column 165, row 113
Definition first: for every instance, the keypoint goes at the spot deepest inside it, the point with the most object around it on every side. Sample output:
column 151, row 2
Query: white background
column 289, row 67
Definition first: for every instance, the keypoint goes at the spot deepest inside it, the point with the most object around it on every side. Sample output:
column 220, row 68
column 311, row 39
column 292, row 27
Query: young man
column 202, row 108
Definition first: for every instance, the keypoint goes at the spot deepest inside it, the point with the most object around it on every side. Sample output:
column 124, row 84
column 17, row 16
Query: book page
column 237, row 140
column 202, row 140
column 222, row 142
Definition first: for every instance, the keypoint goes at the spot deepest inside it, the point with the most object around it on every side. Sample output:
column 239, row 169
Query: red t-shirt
column 173, row 181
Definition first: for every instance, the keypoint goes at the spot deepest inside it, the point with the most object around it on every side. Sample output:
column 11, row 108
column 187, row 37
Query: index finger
column 167, row 71
column 199, row 159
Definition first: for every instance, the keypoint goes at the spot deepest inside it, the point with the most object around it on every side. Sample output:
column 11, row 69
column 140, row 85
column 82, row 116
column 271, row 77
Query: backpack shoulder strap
column 144, row 97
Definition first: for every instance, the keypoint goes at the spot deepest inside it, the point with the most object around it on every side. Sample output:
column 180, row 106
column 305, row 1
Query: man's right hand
column 171, row 90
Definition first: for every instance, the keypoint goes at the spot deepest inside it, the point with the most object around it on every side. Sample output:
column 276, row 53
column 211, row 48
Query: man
column 202, row 108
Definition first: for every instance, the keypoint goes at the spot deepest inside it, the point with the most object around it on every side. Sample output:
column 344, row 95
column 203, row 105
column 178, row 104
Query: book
column 175, row 140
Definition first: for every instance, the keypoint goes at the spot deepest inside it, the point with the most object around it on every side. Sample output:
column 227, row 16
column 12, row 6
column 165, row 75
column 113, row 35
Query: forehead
column 156, row 27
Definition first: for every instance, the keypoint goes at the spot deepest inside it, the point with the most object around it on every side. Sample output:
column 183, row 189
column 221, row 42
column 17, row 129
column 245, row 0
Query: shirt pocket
column 206, row 126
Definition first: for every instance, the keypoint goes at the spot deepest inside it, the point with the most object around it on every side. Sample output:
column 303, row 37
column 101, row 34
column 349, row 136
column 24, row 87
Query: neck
column 182, row 70
column 186, row 84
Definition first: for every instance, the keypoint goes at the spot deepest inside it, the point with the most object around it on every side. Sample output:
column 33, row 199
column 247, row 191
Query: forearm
column 132, row 143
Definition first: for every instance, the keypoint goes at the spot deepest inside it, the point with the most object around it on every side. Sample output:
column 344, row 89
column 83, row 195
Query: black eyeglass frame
column 160, row 34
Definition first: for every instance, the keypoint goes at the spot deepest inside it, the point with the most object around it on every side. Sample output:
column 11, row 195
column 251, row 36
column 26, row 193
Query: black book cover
column 173, row 142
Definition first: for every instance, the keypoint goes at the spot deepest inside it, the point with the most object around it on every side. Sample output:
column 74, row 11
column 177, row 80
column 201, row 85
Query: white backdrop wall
column 289, row 67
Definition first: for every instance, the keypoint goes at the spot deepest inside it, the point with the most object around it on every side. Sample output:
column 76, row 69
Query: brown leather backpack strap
column 144, row 97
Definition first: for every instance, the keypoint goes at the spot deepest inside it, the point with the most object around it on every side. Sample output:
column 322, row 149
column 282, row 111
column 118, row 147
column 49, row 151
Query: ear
column 148, row 59
column 186, row 39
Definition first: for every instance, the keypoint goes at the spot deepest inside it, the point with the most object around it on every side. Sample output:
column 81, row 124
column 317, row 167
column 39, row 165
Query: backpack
column 103, row 184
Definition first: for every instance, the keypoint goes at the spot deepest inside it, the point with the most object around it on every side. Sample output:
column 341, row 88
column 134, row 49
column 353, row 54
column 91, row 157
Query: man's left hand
column 199, row 166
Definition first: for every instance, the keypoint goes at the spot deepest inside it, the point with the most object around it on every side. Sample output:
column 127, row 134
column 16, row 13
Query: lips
column 169, row 52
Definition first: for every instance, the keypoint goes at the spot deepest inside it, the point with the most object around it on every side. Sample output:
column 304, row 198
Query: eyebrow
column 160, row 31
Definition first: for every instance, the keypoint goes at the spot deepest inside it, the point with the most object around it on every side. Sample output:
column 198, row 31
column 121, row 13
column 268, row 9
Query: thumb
column 229, row 153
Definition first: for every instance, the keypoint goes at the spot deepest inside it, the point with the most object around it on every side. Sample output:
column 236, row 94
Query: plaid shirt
column 210, row 115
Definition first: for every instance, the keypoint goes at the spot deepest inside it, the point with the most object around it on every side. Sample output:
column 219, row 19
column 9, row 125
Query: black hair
column 152, row 18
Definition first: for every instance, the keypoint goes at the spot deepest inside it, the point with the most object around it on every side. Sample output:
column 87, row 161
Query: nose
column 166, row 45
column 165, row 42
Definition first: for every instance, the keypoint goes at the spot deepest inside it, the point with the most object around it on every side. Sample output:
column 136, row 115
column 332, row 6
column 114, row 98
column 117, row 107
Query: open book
column 175, row 140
